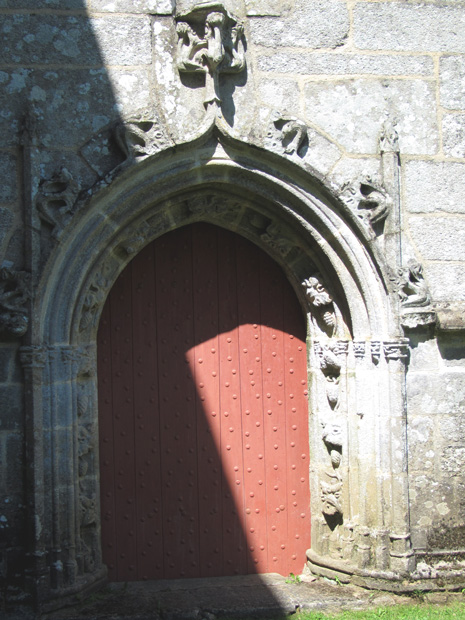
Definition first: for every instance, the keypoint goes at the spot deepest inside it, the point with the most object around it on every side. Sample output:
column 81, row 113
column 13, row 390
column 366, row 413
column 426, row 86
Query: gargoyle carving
column 15, row 293
column 210, row 42
column 291, row 133
column 322, row 305
column 368, row 199
column 55, row 199
column 139, row 139
column 412, row 288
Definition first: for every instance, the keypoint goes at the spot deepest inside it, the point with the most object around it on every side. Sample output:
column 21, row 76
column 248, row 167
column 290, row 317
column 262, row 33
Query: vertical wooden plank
column 123, row 416
column 204, row 360
column 233, row 507
column 298, row 442
column 147, row 482
column 252, row 405
column 272, row 282
column 106, row 453
column 177, row 405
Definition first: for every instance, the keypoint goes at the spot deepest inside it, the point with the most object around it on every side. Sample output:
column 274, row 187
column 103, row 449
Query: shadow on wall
column 74, row 76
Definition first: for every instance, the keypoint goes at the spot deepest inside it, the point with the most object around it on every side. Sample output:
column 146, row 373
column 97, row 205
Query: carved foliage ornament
column 211, row 42
column 331, row 491
column 15, row 293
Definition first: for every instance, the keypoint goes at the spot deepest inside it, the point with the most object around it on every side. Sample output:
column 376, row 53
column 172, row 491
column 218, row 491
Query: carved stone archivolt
column 210, row 42
column 93, row 301
column 15, row 294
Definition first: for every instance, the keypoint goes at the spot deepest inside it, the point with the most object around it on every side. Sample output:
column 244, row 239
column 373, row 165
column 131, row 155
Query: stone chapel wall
column 341, row 68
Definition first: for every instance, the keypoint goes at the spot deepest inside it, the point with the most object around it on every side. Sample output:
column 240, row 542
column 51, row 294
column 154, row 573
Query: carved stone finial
column 55, row 199
column 210, row 41
column 368, row 199
column 389, row 138
column 15, row 293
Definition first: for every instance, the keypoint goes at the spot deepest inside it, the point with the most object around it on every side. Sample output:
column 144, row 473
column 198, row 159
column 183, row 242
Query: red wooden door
column 203, row 413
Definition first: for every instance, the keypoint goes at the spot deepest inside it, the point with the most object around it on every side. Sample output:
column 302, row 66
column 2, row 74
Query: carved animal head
column 332, row 434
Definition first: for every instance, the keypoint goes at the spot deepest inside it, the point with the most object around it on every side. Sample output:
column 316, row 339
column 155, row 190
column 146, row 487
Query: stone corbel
column 15, row 295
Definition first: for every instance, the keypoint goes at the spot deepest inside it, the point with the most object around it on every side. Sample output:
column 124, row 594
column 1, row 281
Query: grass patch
column 401, row 612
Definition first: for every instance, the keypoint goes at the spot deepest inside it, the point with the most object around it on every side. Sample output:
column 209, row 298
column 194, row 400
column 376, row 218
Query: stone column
column 402, row 558
column 33, row 360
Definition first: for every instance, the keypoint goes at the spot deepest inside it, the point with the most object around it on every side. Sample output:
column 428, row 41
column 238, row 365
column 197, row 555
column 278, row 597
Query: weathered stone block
column 12, row 407
column 6, row 221
column 451, row 347
column 420, row 444
column 73, row 104
column 154, row 7
column 438, row 238
column 424, row 354
column 266, row 7
column 48, row 4
column 353, row 112
column 434, row 186
column 453, row 135
column 417, row 27
column 446, row 281
column 46, row 39
column 8, row 355
column 452, row 82
column 452, row 459
column 8, row 172
column 280, row 94
column 345, row 64
column 312, row 24
column 431, row 500
column 441, row 393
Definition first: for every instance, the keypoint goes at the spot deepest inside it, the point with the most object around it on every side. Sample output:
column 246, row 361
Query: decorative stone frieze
column 210, row 42
column 15, row 294
column 396, row 349
column 33, row 356
column 359, row 349
column 55, row 200
column 375, row 350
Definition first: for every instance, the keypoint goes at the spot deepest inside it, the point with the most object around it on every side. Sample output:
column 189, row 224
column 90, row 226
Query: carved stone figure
column 55, row 199
column 275, row 239
column 368, row 199
column 93, row 301
column 332, row 437
column 331, row 367
column 321, row 303
column 210, row 41
column 413, row 290
column 140, row 139
column 15, row 293
column 289, row 131
column 330, row 496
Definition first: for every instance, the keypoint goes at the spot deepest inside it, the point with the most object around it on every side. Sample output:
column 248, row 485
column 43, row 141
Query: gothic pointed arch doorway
column 203, row 413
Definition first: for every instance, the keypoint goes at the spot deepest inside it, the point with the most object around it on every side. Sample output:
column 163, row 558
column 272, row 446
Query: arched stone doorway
column 355, row 352
column 203, row 413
